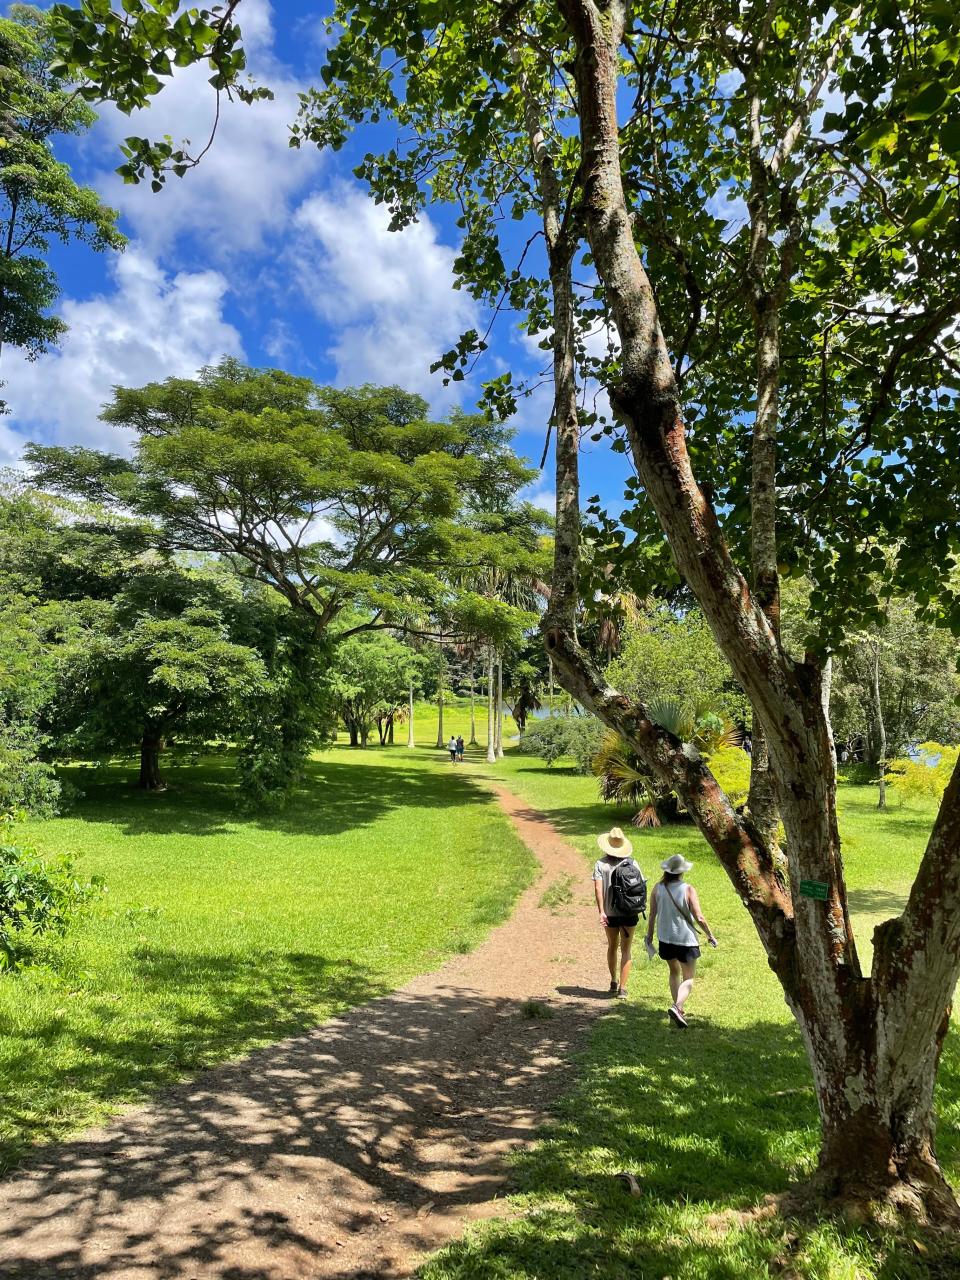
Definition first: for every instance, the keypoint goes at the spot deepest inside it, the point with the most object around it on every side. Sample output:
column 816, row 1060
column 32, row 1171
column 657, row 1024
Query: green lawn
column 220, row 932
column 456, row 719
column 709, row 1120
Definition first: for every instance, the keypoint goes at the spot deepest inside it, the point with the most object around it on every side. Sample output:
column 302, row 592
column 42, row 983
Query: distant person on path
column 460, row 747
column 621, row 896
column 452, row 748
column 675, row 910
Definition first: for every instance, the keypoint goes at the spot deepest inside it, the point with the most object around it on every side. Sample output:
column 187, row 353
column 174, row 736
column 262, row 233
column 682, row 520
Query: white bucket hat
column 676, row 864
column 615, row 844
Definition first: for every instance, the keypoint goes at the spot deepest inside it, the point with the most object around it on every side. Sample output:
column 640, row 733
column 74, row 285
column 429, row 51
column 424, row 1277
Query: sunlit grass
column 221, row 931
column 711, row 1120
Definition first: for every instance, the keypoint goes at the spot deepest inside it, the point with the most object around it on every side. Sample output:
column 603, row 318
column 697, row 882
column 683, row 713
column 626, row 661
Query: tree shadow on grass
column 334, row 796
column 215, row 1006
column 708, row 1120
column 874, row 901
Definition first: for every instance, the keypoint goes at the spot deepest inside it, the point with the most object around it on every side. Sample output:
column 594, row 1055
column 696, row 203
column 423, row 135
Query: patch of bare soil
column 347, row 1152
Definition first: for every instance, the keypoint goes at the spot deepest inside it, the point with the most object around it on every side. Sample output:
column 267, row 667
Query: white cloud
column 387, row 295
column 541, row 496
column 245, row 186
column 152, row 326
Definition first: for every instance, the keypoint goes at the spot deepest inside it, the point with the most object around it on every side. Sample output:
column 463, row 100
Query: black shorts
column 670, row 951
column 622, row 922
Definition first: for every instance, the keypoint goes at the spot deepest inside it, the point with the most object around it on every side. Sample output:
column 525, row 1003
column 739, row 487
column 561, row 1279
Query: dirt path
column 346, row 1152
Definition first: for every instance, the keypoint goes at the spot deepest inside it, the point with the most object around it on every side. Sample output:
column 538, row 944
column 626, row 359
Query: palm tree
column 625, row 780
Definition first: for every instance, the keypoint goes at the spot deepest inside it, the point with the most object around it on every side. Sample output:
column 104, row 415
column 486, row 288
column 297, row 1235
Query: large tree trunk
column 151, row 744
column 762, row 798
column 872, row 1042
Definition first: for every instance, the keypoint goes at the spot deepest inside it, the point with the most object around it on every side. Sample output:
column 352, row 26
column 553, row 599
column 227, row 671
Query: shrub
column 927, row 776
column 36, row 897
column 575, row 738
column 25, row 782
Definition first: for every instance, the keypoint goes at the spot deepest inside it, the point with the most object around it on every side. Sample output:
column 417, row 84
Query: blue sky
column 264, row 252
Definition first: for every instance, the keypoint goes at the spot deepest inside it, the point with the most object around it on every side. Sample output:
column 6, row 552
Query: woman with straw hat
column 610, row 892
column 675, row 910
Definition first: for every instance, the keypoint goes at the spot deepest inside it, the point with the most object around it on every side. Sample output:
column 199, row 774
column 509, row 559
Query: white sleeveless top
column 672, row 927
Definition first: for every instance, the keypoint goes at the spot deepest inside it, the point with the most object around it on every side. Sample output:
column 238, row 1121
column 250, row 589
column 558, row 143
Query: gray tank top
column 672, row 927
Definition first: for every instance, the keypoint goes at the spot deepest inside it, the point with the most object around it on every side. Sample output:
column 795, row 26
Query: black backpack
column 628, row 889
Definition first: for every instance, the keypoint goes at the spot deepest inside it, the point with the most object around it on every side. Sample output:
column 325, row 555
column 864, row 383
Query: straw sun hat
column 615, row 844
column 676, row 864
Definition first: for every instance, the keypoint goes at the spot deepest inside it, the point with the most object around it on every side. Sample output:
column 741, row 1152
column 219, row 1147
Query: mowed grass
column 221, row 931
column 456, row 720
column 709, row 1120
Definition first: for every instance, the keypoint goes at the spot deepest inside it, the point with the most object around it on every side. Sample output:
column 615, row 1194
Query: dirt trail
column 346, row 1152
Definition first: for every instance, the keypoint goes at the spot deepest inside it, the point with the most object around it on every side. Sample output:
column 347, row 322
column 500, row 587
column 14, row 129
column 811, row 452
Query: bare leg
column 626, row 956
column 675, row 978
column 613, row 936
column 686, row 986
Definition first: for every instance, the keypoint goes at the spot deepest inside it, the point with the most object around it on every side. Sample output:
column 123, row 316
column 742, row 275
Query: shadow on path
column 344, row 1152
column 402, row 1110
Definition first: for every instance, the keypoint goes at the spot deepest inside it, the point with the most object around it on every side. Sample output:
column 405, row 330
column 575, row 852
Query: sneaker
column 677, row 1016
column 621, row 993
column 613, row 988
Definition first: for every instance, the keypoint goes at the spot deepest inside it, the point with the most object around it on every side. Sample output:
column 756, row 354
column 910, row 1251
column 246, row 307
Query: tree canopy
column 39, row 200
column 335, row 498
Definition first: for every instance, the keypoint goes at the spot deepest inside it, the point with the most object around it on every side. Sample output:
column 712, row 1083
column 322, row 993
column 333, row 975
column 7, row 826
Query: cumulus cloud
column 542, row 496
column 246, row 185
column 151, row 326
column 387, row 296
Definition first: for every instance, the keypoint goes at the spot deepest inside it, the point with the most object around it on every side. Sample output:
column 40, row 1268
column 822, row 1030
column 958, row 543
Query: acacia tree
column 517, row 107
column 334, row 498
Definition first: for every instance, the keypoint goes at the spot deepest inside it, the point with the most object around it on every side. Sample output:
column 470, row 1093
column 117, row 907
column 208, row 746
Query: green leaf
column 931, row 99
